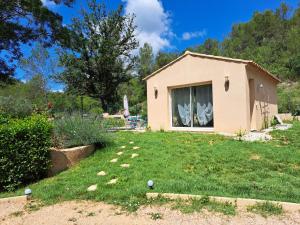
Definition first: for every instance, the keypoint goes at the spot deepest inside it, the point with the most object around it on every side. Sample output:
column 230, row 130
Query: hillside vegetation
column 270, row 38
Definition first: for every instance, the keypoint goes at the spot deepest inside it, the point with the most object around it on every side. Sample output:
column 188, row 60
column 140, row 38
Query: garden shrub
column 77, row 131
column 112, row 122
column 15, row 106
column 24, row 151
column 4, row 118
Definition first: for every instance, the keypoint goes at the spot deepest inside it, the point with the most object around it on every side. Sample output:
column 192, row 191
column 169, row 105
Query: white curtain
column 182, row 98
column 203, row 98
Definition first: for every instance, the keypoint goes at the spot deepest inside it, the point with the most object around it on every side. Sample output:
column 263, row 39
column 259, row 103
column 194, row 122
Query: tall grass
column 76, row 131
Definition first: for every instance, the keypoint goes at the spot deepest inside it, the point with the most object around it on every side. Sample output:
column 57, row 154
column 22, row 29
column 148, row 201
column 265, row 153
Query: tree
column 22, row 99
column 101, row 53
column 145, row 61
column 145, row 66
column 210, row 47
column 134, row 90
column 270, row 38
column 265, row 39
column 40, row 63
column 22, row 22
column 163, row 58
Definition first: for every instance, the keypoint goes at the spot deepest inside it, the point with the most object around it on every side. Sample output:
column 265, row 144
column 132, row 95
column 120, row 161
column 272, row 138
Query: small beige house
column 198, row 92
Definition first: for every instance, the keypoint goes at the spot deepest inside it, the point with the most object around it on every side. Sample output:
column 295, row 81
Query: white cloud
column 153, row 23
column 48, row 3
column 24, row 81
column 189, row 35
column 57, row 90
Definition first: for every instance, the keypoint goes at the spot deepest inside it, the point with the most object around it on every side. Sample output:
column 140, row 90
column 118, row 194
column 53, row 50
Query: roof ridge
column 217, row 57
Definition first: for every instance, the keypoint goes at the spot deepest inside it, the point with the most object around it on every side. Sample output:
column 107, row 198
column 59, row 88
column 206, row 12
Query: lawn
column 181, row 162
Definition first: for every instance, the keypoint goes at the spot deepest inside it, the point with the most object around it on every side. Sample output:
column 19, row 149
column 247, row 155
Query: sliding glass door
column 192, row 106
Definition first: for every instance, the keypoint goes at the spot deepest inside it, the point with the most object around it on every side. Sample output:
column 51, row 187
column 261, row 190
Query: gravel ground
column 97, row 213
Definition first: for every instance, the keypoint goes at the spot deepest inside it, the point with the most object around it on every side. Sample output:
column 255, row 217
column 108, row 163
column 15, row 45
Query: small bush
column 266, row 209
column 96, row 111
column 196, row 205
column 24, row 150
column 112, row 123
column 274, row 122
column 156, row 216
column 77, row 131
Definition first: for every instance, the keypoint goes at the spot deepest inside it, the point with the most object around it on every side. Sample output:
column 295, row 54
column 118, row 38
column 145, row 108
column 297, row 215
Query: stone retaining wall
column 62, row 159
column 288, row 116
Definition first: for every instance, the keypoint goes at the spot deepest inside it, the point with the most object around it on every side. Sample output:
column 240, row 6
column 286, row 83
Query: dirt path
column 91, row 213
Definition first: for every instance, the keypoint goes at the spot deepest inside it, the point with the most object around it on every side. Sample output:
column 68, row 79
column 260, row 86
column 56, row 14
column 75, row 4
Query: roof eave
column 165, row 66
column 247, row 62
column 257, row 66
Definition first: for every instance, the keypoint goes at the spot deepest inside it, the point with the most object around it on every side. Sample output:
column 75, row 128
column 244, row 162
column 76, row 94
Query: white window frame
column 191, row 128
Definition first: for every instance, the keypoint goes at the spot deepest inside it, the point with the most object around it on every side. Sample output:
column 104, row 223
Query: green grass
column 178, row 162
column 196, row 205
column 266, row 209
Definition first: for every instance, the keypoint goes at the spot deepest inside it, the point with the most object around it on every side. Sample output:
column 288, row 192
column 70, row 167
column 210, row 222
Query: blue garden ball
column 150, row 184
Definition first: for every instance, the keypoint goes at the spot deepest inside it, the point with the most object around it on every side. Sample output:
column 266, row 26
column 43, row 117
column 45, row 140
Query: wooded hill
column 270, row 38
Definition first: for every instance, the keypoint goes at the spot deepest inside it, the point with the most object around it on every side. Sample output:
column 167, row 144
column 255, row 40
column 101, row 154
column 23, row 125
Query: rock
column 268, row 130
column 255, row 157
column 278, row 119
column 131, row 142
column 283, row 126
column 125, row 165
column 135, row 147
column 119, row 153
column 134, row 155
column 114, row 160
column 113, row 181
column 92, row 187
column 101, row 173
column 255, row 136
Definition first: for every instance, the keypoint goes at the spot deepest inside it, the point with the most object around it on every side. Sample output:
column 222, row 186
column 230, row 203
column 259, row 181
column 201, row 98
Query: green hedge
column 24, row 151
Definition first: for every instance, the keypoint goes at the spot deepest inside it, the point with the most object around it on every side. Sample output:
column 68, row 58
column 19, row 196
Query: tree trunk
column 81, row 104
column 104, row 104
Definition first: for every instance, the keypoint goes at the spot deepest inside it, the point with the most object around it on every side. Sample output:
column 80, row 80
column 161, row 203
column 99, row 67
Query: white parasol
column 126, row 108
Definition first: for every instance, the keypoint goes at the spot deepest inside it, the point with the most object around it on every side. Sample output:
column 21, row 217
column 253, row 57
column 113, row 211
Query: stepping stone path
column 134, row 155
column 114, row 160
column 92, row 187
column 113, row 181
column 101, row 173
column 125, row 165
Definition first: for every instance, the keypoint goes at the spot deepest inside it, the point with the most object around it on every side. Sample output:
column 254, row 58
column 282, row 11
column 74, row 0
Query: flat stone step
column 92, row 188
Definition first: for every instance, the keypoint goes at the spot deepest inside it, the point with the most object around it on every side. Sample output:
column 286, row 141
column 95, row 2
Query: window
column 192, row 106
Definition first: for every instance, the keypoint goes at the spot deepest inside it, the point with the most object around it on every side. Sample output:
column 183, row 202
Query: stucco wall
column 230, row 107
column 265, row 95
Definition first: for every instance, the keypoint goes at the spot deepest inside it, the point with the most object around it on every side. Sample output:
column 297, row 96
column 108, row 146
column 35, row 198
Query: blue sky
column 173, row 25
